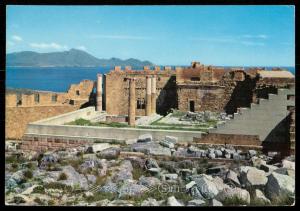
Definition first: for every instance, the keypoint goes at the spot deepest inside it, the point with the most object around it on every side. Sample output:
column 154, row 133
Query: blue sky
column 176, row 35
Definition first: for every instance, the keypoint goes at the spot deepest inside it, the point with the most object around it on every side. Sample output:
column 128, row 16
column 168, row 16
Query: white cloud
column 52, row 45
column 17, row 38
column 252, row 43
column 120, row 37
column 232, row 40
column 259, row 36
column 82, row 47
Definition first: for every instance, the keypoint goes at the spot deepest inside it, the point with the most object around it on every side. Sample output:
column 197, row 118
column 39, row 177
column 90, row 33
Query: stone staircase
column 98, row 116
column 260, row 119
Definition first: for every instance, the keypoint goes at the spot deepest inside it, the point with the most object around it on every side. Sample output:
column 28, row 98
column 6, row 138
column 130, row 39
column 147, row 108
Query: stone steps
column 259, row 119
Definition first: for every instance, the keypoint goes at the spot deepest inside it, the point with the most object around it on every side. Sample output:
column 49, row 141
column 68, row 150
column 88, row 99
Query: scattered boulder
column 216, row 169
column 74, row 179
column 232, row 178
column 252, row 153
column 172, row 201
column 110, row 153
column 196, row 202
column 257, row 162
column 109, row 187
column 211, row 155
column 167, row 177
column 268, row 168
column 279, row 185
column 252, row 177
column 150, row 202
column 215, row 203
column 229, row 193
column 206, row 185
column 171, row 139
column 144, row 138
column 97, row 147
column 218, row 153
column 151, row 163
column 91, row 178
column 149, row 181
column 131, row 189
column 288, row 164
column 168, row 144
column 259, row 195
column 286, row 171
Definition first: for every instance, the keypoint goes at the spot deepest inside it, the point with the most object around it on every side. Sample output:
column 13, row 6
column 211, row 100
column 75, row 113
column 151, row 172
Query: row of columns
column 150, row 98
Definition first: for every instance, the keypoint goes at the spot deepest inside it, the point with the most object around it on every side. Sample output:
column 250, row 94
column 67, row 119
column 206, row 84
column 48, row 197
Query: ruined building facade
column 195, row 88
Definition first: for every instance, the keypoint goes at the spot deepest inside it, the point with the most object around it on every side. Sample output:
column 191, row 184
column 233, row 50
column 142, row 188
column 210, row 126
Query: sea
column 57, row 79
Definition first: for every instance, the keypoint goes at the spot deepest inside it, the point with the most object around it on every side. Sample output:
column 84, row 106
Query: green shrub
column 28, row 174
column 82, row 121
column 101, row 196
column 56, row 185
column 39, row 189
column 234, row 201
column 18, row 200
column 283, row 200
column 62, row 176
column 51, row 202
column 39, row 201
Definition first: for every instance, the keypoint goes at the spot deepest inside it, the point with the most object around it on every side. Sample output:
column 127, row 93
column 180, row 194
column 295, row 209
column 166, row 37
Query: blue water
column 54, row 78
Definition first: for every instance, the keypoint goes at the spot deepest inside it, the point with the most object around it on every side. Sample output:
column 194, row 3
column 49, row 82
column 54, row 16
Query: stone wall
column 21, row 109
column 17, row 118
column 232, row 139
column 49, row 143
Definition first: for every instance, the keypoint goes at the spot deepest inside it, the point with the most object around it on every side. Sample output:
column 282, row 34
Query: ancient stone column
column 99, row 92
column 148, row 95
column 132, row 102
column 153, row 95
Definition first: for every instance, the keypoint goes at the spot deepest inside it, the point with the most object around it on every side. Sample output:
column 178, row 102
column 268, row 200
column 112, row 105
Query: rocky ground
column 148, row 173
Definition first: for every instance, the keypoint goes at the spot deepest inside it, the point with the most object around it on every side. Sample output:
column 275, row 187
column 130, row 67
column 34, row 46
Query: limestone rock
column 232, row 178
column 288, row 164
column 109, row 187
column 257, row 162
column 150, row 202
column 98, row 147
column 196, row 202
column 144, row 138
column 74, row 179
column 91, row 178
column 119, row 202
column 110, row 153
column 215, row 203
column 229, row 193
column 172, row 201
column 252, row 153
column 279, row 185
column 171, row 139
column 259, row 195
column 206, row 185
column 149, row 181
column 131, row 189
column 168, row 144
column 253, row 178
column 268, row 168
column 151, row 163
column 286, row 171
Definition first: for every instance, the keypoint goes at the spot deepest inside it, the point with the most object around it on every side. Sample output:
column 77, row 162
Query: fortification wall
column 17, row 118
column 21, row 109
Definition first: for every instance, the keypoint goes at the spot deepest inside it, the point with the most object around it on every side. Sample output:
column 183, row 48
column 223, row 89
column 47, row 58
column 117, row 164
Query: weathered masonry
column 21, row 109
column 195, row 88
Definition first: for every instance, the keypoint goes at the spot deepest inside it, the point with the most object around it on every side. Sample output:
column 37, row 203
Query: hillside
column 71, row 58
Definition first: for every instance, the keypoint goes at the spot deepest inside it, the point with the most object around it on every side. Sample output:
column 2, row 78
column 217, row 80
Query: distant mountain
column 71, row 58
